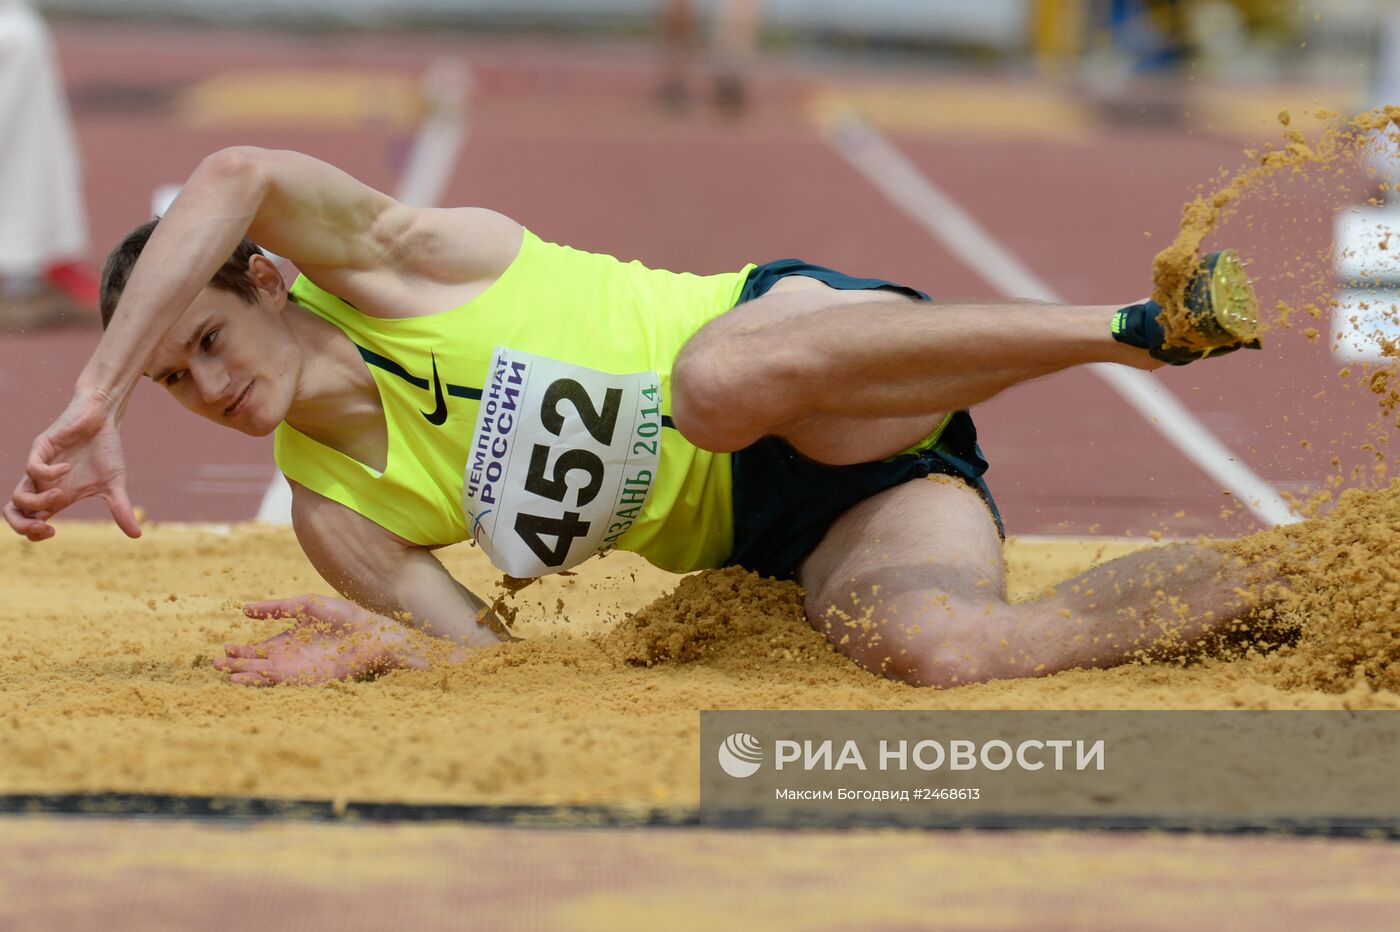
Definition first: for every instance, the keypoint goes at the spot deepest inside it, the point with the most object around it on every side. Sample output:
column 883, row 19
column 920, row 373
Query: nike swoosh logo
column 438, row 416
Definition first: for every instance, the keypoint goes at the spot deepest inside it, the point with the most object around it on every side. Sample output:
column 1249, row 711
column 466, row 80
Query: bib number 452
column 561, row 461
column 551, row 480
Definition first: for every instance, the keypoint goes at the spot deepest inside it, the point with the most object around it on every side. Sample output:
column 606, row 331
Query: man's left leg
column 853, row 376
column 910, row 585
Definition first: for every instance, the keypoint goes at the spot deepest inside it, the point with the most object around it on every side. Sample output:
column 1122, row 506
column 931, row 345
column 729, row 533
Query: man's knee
column 750, row 372
column 726, row 392
column 702, row 394
column 930, row 640
column 943, row 662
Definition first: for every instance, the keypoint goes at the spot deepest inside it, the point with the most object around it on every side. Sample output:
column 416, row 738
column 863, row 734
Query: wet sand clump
column 728, row 614
column 1342, row 595
column 1335, row 149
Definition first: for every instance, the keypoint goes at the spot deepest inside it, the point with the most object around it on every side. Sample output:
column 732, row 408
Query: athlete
column 438, row 375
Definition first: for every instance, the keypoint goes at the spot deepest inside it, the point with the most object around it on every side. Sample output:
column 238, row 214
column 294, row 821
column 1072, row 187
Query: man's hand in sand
column 332, row 639
column 79, row 456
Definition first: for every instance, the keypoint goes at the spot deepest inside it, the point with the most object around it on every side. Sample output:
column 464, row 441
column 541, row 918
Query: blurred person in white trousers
column 1384, row 157
column 43, row 224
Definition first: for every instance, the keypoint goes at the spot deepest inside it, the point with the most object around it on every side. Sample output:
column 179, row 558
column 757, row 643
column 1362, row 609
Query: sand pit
column 107, row 683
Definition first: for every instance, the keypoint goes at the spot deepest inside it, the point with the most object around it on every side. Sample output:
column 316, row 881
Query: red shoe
column 74, row 281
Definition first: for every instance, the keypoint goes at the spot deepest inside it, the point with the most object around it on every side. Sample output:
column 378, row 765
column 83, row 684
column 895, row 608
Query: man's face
column 231, row 362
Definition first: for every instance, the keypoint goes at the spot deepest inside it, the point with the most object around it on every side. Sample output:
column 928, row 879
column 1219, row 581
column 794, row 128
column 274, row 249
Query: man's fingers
column 39, row 471
column 245, row 670
column 30, row 503
column 40, row 532
column 28, row 511
column 243, row 665
column 261, row 649
column 18, row 521
column 122, row 512
column 36, row 529
column 19, row 518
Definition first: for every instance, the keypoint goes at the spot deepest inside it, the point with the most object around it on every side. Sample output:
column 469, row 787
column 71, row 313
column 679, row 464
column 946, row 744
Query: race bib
column 561, row 461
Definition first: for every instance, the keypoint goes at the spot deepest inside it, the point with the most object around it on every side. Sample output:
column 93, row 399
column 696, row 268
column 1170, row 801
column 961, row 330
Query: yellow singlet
column 552, row 301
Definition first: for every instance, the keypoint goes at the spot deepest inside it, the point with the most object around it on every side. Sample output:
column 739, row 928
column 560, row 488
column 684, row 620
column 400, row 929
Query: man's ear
column 265, row 275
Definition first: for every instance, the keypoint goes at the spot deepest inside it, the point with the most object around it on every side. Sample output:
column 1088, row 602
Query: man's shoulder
column 428, row 261
column 448, row 244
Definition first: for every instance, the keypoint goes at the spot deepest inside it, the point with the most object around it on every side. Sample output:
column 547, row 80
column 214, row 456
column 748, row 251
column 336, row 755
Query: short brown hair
column 232, row 275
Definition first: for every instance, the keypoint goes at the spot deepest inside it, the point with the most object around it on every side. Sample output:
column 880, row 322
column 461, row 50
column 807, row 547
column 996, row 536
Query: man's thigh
column 907, row 574
column 789, row 301
column 840, row 441
column 779, row 315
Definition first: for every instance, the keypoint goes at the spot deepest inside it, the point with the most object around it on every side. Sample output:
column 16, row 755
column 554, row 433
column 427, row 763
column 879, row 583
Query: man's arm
column 387, row 579
column 361, row 244
column 335, row 228
column 385, row 574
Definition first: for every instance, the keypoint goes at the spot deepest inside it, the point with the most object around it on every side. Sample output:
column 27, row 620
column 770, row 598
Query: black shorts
column 784, row 502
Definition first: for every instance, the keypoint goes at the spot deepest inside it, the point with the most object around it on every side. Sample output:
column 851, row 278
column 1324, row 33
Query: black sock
column 1136, row 325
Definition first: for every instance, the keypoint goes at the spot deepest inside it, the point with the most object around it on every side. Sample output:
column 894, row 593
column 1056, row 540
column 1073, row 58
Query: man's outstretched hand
column 79, row 456
column 332, row 639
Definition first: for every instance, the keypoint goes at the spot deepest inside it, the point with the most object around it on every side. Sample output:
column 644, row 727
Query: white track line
column 447, row 87
column 907, row 188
